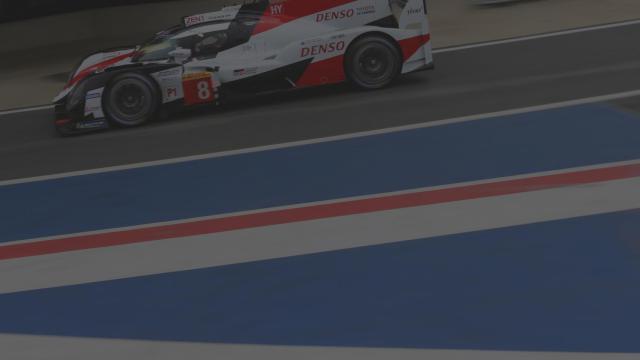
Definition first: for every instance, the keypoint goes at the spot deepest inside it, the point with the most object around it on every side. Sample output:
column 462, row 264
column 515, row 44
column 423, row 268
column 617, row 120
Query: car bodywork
column 259, row 46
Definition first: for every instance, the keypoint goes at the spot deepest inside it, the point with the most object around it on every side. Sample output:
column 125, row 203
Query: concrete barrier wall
column 35, row 33
column 129, row 24
column 454, row 21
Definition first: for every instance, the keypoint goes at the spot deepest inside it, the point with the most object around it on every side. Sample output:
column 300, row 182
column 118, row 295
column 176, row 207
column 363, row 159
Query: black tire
column 373, row 62
column 131, row 100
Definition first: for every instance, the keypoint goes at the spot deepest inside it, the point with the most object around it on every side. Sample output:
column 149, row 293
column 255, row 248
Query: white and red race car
column 259, row 46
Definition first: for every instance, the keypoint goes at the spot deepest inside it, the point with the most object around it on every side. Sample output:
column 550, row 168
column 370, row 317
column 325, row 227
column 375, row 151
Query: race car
column 255, row 47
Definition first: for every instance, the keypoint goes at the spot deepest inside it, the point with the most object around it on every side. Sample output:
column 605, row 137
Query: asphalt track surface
column 465, row 82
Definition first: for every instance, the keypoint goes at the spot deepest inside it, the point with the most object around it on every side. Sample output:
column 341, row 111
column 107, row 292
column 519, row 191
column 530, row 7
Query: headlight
column 76, row 96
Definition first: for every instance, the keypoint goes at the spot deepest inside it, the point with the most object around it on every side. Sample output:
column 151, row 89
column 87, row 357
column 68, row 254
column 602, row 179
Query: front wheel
column 131, row 99
column 372, row 63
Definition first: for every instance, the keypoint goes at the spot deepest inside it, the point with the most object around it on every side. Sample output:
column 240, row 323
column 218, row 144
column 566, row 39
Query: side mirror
column 180, row 55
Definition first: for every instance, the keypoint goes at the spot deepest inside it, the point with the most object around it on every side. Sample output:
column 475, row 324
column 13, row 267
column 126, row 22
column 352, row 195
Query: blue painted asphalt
column 485, row 149
column 569, row 285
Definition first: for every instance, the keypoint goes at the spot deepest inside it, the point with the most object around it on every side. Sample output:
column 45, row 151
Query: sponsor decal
column 93, row 103
column 91, row 124
column 414, row 11
column 335, row 15
column 277, row 9
column 227, row 13
column 169, row 73
column 364, row 10
column 328, row 48
column 172, row 92
column 193, row 20
column 95, row 93
column 245, row 72
column 195, row 76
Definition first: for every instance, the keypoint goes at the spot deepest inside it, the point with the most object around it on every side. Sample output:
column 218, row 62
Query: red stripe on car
column 328, row 71
column 95, row 67
column 411, row 45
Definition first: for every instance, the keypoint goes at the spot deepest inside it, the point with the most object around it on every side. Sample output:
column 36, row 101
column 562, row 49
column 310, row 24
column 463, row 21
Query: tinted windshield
column 205, row 40
column 154, row 51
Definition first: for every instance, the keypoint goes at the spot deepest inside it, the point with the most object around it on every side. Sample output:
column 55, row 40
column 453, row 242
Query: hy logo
column 277, row 9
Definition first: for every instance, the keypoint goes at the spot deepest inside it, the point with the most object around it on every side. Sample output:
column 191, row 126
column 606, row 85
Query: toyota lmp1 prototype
column 258, row 46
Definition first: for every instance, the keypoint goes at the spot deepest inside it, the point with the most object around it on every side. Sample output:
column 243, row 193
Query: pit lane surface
column 568, row 286
column 465, row 82
column 544, row 260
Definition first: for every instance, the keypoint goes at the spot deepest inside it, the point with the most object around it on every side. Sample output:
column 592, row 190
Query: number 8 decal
column 198, row 89
column 204, row 93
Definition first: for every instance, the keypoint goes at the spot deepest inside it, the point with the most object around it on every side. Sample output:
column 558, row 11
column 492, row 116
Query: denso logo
column 322, row 49
column 335, row 15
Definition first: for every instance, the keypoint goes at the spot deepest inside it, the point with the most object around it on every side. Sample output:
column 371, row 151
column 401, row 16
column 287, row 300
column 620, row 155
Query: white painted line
column 538, row 36
column 330, row 201
column 445, row 50
column 468, row 118
column 23, row 110
column 33, row 347
column 315, row 236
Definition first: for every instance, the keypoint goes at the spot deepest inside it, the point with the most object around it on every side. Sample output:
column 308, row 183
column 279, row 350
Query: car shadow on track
column 297, row 98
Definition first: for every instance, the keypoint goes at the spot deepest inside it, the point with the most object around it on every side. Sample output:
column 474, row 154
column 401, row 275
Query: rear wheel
column 373, row 62
column 131, row 99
